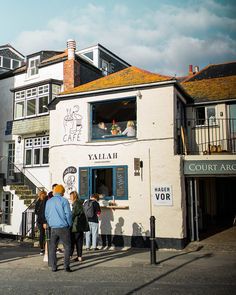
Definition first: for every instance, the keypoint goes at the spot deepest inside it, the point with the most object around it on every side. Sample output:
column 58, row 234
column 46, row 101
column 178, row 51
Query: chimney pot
column 196, row 69
column 71, row 46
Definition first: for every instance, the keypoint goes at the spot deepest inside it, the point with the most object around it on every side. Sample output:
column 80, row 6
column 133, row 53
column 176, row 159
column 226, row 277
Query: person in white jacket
column 130, row 129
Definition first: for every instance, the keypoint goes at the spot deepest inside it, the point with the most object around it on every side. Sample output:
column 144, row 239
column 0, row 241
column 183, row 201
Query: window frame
column 89, row 170
column 109, row 137
column 36, row 61
column 36, row 143
column 206, row 120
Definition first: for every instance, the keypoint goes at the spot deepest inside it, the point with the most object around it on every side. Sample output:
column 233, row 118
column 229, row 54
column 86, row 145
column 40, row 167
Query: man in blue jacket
column 59, row 218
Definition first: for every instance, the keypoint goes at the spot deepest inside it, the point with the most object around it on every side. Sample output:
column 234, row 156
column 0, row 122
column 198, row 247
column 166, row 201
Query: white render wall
column 154, row 145
column 54, row 71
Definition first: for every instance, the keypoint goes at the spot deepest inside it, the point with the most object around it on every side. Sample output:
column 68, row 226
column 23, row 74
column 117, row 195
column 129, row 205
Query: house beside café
column 209, row 148
column 25, row 93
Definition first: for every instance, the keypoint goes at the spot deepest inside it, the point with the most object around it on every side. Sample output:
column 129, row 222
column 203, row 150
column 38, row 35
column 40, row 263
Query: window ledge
column 114, row 207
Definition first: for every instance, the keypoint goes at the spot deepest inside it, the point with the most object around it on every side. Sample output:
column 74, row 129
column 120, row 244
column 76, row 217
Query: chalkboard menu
column 120, row 182
column 83, row 183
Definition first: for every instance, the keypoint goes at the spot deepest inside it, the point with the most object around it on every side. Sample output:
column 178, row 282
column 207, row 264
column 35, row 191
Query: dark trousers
column 62, row 234
column 77, row 240
column 41, row 235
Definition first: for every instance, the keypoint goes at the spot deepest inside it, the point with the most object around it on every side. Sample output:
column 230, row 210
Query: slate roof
column 213, row 83
column 127, row 77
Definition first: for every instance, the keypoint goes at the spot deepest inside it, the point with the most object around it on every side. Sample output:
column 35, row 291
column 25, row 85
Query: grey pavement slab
column 193, row 271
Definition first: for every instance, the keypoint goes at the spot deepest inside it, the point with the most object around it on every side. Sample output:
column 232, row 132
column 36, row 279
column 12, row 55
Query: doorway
column 211, row 205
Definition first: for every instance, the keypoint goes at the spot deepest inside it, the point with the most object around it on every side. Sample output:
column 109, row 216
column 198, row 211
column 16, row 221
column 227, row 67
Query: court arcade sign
column 204, row 167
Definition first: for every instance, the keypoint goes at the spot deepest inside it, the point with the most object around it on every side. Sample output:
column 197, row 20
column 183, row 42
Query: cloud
column 166, row 39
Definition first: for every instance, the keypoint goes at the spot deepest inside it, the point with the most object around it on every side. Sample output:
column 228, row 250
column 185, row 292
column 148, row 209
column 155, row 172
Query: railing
column 13, row 174
column 206, row 137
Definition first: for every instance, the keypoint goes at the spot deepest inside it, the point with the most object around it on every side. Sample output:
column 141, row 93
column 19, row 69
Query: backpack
column 89, row 209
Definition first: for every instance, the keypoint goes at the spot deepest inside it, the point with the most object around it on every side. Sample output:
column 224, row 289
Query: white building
column 24, row 95
column 178, row 165
column 142, row 172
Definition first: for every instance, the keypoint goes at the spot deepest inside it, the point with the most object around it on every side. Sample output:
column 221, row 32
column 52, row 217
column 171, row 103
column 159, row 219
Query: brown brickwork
column 71, row 74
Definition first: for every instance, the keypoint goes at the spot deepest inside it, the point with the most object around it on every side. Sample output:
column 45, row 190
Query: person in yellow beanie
column 59, row 218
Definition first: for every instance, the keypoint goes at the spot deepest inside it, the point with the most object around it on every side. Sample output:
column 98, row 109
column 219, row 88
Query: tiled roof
column 215, row 71
column 214, row 89
column 56, row 57
column 127, row 77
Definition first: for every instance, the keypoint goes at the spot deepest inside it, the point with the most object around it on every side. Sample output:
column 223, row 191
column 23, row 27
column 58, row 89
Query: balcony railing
column 206, row 137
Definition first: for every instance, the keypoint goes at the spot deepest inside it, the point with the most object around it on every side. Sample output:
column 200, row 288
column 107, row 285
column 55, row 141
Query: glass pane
column 102, row 181
column 31, row 107
column 36, row 156
column 16, row 63
column 83, row 183
column 6, row 63
column 43, row 101
column 116, row 116
column 19, row 110
column 28, row 154
column 211, row 115
column 200, row 116
column 45, row 155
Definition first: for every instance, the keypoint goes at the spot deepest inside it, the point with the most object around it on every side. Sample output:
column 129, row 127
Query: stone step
column 23, row 192
column 27, row 202
column 19, row 187
column 28, row 197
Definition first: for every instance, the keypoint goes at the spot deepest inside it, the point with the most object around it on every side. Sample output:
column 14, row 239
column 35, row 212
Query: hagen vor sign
column 162, row 195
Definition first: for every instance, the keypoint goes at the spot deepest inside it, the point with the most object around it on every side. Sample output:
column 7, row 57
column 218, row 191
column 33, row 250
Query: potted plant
column 115, row 129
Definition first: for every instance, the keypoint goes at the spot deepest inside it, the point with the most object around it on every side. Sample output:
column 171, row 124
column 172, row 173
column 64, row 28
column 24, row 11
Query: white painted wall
column 155, row 133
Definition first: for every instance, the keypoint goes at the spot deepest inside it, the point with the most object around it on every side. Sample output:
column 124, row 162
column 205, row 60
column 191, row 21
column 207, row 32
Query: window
column 15, row 63
column 105, row 67
column 89, row 55
column 32, row 101
column 206, row 115
column 6, row 62
column 114, row 119
column 31, row 107
column 36, row 151
column 33, row 66
column 111, row 181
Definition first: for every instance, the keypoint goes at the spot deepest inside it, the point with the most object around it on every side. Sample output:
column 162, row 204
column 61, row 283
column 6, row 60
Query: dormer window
column 33, row 66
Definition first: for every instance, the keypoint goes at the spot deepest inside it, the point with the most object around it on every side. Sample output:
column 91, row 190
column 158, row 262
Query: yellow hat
column 59, row 189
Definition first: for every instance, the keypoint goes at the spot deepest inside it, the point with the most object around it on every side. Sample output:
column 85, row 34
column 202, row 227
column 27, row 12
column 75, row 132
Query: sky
column 159, row 36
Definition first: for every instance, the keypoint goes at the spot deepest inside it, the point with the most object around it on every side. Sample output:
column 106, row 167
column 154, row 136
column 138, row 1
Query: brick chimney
column 71, row 69
column 190, row 70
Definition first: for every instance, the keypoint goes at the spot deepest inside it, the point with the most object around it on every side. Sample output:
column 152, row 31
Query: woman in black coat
column 79, row 225
column 39, row 211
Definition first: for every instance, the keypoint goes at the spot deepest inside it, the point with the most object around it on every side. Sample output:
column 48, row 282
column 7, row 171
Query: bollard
column 47, row 231
column 152, row 240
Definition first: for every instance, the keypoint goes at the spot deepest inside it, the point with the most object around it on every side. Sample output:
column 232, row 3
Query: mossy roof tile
column 127, row 77
column 222, row 88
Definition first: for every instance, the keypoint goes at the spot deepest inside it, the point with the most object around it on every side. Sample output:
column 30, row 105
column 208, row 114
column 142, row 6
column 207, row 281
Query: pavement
column 206, row 267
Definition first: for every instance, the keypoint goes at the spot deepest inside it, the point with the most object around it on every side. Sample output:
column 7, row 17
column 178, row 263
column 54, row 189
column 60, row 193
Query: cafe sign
column 211, row 167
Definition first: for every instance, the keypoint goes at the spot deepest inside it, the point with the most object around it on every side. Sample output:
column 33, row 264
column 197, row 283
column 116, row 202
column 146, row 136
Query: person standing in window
column 39, row 211
column 79, row 225
column 92, row 211
column 129, row 130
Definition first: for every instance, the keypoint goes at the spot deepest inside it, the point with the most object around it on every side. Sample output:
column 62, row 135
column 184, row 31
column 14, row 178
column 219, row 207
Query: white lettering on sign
column 212, row 167
column 162, row 195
